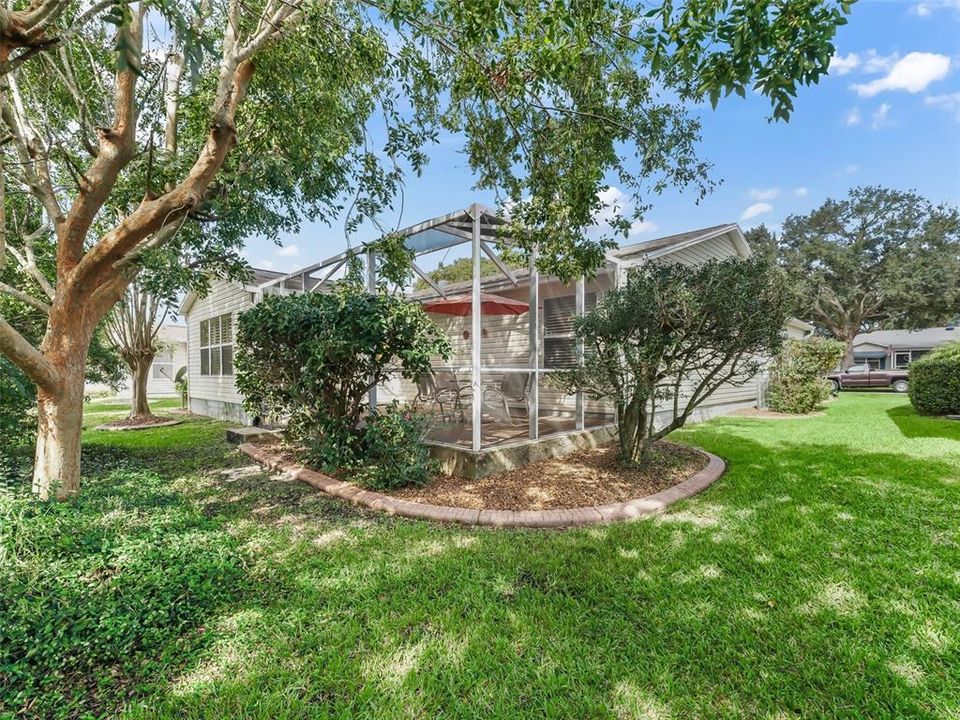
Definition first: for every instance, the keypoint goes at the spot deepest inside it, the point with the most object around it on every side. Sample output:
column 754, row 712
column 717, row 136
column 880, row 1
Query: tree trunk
column 632, row 431
column 847, row 353
column 139, row 375
column 56, row 471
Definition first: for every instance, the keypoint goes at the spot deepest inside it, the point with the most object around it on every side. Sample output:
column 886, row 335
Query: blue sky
column 887, row 114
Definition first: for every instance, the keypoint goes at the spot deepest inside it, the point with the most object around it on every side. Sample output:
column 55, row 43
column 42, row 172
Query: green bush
column 394, row 454
column 312, row 358
column 798, row 380
column 935, row 381
column 17, row 422
column 100, row 588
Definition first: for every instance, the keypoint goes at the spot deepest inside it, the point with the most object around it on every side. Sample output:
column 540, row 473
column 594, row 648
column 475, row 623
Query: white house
column 489, row 350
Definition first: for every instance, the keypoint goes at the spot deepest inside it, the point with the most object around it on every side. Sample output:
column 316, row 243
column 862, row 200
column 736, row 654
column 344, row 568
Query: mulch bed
column 137, row 423
column 771, row 414
column 583, row 479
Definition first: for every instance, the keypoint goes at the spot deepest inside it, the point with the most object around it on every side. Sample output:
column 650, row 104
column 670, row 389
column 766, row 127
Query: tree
column 264, row 109
column 462, row 269
column 132, row 327
column 672, row 335
column 879, row 258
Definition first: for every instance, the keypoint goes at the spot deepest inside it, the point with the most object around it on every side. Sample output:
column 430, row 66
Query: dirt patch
column 771, row 414
column 582, row 479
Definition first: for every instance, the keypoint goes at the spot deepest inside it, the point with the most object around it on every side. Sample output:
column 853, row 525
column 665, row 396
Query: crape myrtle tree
column 272, row 103
column 877, row 258
column 132, row 327
column 671, row 336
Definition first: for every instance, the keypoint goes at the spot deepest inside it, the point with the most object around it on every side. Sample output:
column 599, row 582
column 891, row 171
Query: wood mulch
column 138, row 422
column 583, row 479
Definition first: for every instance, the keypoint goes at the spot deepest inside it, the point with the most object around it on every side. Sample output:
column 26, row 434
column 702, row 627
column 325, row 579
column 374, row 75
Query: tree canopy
column 877, row 258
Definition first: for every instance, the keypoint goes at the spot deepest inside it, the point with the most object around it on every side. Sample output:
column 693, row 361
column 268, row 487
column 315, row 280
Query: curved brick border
column 130, row 428
column 629, row 510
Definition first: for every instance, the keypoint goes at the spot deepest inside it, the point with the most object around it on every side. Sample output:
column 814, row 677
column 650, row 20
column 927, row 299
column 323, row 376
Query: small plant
column 394, row 454
column 798, row 380
column 935, row 381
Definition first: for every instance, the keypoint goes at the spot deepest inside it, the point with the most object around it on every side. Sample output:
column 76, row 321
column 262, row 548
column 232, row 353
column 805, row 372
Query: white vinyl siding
column 224, row 298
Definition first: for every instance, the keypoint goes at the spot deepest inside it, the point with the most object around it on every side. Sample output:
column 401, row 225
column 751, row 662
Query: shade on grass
column 819, row 578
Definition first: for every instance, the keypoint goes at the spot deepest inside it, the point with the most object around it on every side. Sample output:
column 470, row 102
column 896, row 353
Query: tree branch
column 28, row 358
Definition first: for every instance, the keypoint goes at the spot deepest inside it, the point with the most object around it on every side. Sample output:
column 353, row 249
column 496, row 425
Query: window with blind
column 216, row 345
column 559, row 343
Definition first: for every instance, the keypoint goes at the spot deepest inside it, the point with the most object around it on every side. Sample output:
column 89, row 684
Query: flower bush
column 798, row 380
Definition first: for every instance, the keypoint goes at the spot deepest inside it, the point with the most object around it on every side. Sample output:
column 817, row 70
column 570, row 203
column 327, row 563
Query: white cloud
column 842, row 64
column 881, row 117
column 264, row 264
column 852, row 116
column 288, row 251
column 913, row 73
column 874, row 62
column 847, row 170
column 949, row 102
column 756, row 209
column 640, row 227
column 926, row 9
column 801, row 192
column 766, row 194
column 617, row 203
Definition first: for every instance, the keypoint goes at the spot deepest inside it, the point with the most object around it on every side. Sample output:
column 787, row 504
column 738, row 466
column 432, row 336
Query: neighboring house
column 168, row 361
column 896, row 349
column 506, row 340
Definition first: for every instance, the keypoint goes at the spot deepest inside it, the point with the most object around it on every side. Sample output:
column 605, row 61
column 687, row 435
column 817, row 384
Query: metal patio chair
column 512, row 387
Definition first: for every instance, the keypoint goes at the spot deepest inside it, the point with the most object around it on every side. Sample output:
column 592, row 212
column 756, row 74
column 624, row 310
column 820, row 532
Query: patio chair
column 513, row 387
column 430, row 392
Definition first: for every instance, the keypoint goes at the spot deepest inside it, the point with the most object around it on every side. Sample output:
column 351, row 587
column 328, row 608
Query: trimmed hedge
column 935, row 381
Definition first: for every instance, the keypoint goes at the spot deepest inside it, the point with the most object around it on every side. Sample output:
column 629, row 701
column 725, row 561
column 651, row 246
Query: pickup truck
column 861, row 376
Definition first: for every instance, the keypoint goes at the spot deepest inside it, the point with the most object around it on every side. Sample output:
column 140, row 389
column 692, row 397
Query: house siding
column 214, row 395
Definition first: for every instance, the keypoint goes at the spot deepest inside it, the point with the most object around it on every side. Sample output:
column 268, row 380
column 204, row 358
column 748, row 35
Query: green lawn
column 819, row 578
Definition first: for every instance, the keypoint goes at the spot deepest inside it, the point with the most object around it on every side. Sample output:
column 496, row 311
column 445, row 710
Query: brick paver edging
column 629, row 510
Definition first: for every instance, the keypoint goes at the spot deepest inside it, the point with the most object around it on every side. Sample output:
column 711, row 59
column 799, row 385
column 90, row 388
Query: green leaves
column 675, row 334
column 798, row 381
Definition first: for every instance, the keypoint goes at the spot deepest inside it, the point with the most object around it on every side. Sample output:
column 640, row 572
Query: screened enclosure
column 510, row 329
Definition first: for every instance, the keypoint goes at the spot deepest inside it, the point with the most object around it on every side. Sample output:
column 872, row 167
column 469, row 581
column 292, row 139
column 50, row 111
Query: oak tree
column 877, row 258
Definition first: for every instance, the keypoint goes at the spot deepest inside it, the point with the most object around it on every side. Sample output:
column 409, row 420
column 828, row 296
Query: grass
column 820, row 577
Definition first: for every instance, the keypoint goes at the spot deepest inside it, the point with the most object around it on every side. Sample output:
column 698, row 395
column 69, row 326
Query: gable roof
column 922, row 338
column 257, row 277
column 672, row 243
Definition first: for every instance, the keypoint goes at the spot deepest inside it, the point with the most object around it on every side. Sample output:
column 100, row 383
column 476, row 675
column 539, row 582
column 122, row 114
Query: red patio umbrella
column 462, row 305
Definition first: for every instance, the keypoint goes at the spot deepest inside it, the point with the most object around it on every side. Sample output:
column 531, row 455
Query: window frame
column 213, row 332
column 590, row 301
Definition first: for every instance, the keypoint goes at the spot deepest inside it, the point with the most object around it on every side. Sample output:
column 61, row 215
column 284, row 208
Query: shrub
column 17, row 422
column 675, row 334
column 394, row 454
column 312, row 358
column 935, row 381
column 798, row 380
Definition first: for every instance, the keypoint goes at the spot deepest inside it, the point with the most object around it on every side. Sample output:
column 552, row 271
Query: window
column 901, row 360
column 162, row 368
column 559, row 343
column 858, row 369
column 216, row 345
column 873, row 363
